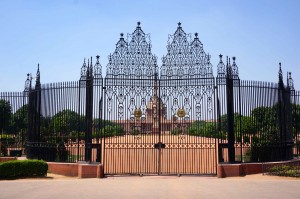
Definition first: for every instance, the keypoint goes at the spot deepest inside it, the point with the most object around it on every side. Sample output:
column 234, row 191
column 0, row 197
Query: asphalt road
column 152, row 187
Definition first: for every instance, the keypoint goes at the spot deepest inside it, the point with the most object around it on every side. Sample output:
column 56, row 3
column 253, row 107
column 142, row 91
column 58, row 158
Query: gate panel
column 130, row 131
column 187, row 94
column 131, row 122
column 188, row 127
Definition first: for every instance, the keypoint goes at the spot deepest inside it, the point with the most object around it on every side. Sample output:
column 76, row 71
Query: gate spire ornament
column 131, row 62
column 290, row 81
column 184, row 63
column 228, row 69
column 38, row 78
column 280, row 75
column 91, row 68
column 28, row 83
column 234, row 69
column 97, row 68
column 185, row 57
column 132, row 57
column 83, row 70
column 221, row 68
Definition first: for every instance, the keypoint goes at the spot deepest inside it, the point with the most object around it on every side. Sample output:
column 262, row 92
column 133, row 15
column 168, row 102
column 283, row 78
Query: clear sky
column 58, row 34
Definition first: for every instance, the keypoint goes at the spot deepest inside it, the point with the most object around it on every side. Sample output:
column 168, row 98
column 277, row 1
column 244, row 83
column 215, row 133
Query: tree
column 265, row 145
column 296, row 118
column 5, row 115
column 202, row 128
column 46, row 128
column 100, row 123
column 224, row 121
column 112, row 130
column 107, row 128
column 246, row 125
column 67, row 121
column 176, row 131
column 20, row 118
column 243, row 125
column 265, row 117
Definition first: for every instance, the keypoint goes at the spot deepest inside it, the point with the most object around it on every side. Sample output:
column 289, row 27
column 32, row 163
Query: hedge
column 23, row 168
column 285, row 170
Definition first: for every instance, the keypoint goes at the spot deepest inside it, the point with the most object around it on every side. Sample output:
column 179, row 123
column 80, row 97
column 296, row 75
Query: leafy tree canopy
column 20, row 118
column 67, row 121
column 5, row 114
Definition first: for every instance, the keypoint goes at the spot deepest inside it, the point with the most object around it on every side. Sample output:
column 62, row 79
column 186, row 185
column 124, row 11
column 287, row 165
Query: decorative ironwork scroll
column 190, row 72
column 132, row 58
column 130, row 73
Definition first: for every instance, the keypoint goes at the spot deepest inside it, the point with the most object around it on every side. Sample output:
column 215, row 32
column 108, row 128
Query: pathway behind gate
column 152, row 187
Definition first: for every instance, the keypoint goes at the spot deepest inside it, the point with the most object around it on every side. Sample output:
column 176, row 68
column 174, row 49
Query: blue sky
column 59, row 34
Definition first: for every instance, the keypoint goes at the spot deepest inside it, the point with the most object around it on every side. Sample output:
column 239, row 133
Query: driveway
column 151, row 187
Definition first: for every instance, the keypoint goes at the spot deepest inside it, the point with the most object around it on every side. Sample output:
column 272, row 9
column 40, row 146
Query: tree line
column 65, row 123
column 262, row 122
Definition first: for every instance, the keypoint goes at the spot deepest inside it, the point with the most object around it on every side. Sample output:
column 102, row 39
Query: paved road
column 152, row 187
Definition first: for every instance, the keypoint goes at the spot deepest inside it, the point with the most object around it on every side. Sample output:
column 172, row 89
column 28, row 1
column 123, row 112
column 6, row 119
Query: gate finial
column 280, row 72
column 221, row 68
column 38, row 72
column 110, row 60
column 221, row 58
column 28, row 82
column 91, row 67
column 37, row 80
column 234, row 69
column 228, row 69
column 83, row 70
column 97, row 68
column 280, row 81
column 290, row 81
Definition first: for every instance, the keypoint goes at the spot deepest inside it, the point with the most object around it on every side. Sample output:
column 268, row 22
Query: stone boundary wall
column 81, row 170
column 6, row 159
column 231, row 170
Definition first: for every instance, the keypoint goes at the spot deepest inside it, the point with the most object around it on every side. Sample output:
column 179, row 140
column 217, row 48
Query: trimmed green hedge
column 285, row 170
column 23, row 168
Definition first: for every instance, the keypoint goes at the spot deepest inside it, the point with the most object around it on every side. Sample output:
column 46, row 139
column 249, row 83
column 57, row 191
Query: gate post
column 230, row 112
column 281, row 115
column 29, row 135
column 89, row 113
column 284, row 119
column 34, row 112
column 37, row 104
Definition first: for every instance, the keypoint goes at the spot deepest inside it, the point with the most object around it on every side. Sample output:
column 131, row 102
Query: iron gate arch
column 160, row 115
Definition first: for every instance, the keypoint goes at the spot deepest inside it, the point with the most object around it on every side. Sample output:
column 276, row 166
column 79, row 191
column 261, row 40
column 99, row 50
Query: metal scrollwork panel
column 133, row 57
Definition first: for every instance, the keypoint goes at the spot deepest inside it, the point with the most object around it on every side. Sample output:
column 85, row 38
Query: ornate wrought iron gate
column 178, row 119
column 157, row 122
